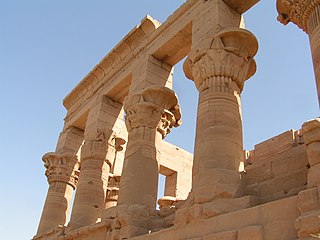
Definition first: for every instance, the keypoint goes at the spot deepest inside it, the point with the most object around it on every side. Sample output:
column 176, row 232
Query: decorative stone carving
column 94, row 149
column 220, row 59
column 112, row 190
column 299, row 12
column 61, row 168
column 156, row 107
column 166, row 202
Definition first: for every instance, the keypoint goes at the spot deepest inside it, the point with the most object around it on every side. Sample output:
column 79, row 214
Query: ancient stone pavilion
column 112, row 149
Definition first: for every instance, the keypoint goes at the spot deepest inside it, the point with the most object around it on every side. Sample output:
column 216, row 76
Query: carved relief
column 61, row 168
column 113, row 188
column 156, row 107
column 298, row 12
column 221, row 59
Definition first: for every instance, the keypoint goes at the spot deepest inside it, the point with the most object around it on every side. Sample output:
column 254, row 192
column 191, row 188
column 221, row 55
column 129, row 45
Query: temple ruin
column 112, row 148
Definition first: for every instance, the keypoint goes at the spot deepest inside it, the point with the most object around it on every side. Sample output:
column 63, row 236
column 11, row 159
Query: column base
column 54, row 233
column 129, row 221
column 214, row 184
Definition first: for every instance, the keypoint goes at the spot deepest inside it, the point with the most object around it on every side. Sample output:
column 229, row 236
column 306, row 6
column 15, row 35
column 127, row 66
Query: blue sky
column 47, row 47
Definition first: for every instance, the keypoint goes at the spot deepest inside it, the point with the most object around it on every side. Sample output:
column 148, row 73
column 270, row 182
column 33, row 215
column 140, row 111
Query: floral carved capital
column 61, row 168
column 298, row 12
column 228, row 54
column 155, row 107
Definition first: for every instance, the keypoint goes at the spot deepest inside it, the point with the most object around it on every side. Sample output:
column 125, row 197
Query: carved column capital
column 61, row 168
column 298, row 12
column 228, row 54
column 155, row 107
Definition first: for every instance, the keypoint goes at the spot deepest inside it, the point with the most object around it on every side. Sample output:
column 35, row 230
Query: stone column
column 62, row 173
column 149, row 117
column 219, row 66
column 311, row 135
column 306, row 15
column 90, row 196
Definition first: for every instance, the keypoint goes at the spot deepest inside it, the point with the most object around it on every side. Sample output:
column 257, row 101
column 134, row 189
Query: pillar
column 70, row 140
column 62, row 171
column 149, row 117
column 306, row 15
column 97, row 158
column 219, row 66
column 311, row 135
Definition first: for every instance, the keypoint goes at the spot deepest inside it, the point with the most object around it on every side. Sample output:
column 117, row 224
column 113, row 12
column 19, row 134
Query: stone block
column 278, row 219
column 221, row 206
column 257, row 173
column 313, row 151
column 251, row 232
column 277, row 142
column 314, row 176
column 230, row 235
column 308, row 200
column 312, row 136
column 284, row 183
column 238, row 219
column 308, row 224
column 289, row 161
column 132, row 231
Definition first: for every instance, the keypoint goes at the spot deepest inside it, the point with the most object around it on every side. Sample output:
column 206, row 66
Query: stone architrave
column 149, row 117
column 219, row 66
column 306, row 15
column 62, row 171
column 97, row 156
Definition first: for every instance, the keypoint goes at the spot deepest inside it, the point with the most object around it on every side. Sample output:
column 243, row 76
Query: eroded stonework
column 112, row 148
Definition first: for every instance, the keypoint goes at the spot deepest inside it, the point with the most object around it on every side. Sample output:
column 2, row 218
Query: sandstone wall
column 277, row 168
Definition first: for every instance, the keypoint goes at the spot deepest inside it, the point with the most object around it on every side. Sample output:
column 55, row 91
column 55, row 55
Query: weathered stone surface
column 251, row 232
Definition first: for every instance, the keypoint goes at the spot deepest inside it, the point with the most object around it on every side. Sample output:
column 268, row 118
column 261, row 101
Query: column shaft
column 90, row 197
column 219, row 65
column 314, row 36
column 56, row 207
column 139, row 182
column 150, row 116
